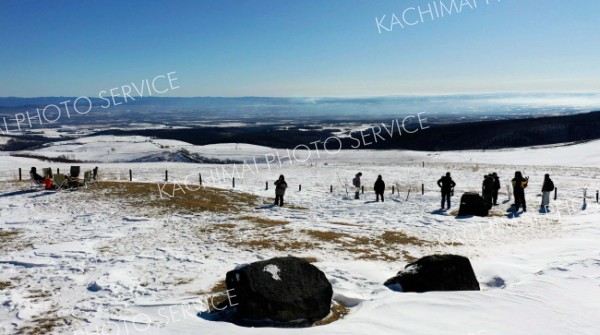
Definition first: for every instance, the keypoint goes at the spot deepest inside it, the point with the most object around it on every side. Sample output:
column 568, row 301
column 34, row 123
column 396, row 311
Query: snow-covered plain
column 90, row 264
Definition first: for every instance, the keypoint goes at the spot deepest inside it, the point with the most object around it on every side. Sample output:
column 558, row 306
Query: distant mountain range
column 457, row 122
column 252, row 107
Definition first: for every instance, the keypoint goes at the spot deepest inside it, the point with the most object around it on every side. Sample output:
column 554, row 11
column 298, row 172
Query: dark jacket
column 488, row 185
column 496, row 183
column 356, row 181
column 548, row 185
column 280, row 186
column 446, row 183
column 34, row 175
column 379, row 186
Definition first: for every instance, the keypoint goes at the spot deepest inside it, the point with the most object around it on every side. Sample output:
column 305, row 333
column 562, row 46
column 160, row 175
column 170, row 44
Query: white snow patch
column 273, row 270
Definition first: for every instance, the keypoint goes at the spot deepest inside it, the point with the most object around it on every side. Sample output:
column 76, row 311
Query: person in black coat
column 496, row 188
column 356, row 184
column 488, row 190
column 280, row 187
column 34, row 175
column 446, row 184
column 379, row 188
column 547, row 188
column 519, row 184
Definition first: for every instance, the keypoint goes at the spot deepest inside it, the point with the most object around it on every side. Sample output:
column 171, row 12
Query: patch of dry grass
column 283, row 245
column 46, row 324
column 310, row 259
column 262, row 222
column 338, row 312
column 220, row 227
column 254, row 237
column 171, row 198
column 183, row 281
column 37, row 293
column 216, row 296
column 496, row 214
column 218, row 287
column 9, row 240
column 345, row 239
column 287, row 205
column 7, row 234
column 398, row 237
column 384, row 247
column 339, row 223
column 5, row 285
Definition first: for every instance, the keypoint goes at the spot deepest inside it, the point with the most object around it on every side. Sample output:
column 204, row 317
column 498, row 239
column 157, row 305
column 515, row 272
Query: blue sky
column 298, row 48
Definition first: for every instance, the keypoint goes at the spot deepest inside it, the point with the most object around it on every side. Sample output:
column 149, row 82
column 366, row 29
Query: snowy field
column 100, row 261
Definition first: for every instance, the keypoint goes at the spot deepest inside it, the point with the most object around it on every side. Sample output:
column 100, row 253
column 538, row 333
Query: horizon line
column 323, row 97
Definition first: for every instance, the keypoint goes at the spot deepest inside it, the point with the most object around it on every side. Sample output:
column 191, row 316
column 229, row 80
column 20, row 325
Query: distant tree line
column 438, row 137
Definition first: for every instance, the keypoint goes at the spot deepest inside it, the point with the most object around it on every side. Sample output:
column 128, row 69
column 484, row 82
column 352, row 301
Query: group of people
column 490, row 189
column 48, row 180
column 379, row 187
column 491, row 186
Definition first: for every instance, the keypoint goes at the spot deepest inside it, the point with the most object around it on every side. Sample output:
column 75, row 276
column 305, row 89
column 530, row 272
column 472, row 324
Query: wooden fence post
column 392, row 189
column 362, row 190
column 266, row 185
column 422, row 189
column 20, row 176
column 597, row 196
column 330, row 188
column 200, row 178
column 166, row 175
column 57, row 170
column 233, row 182
column 555, row 193
column 299, row 187
column 130, row 175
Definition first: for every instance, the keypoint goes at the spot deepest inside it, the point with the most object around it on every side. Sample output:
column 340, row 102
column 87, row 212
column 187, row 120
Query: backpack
column 550, row 185
column 356, row 182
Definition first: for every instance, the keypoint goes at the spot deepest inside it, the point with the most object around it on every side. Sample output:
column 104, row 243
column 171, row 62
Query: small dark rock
column 437, row 273
column 281, row 289
column 473, row 204
column 94, row 287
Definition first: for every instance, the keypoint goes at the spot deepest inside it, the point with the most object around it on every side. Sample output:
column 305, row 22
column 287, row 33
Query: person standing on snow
column 280, row 187
column 495, row 189
column 488, row 190
column 547, row 188
column 356, row 183
column 519, row 184
column 446, row 184
column 379, row 188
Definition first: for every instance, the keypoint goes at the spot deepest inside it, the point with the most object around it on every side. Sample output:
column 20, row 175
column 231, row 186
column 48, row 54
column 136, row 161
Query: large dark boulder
column 473, row 204
column 437, row 273
column 281, row 289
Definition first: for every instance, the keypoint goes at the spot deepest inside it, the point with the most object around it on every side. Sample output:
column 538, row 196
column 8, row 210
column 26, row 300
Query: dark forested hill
column 438, row 137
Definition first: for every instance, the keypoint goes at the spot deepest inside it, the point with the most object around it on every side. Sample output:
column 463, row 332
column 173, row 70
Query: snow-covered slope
column 116, row 149
column 106, row 266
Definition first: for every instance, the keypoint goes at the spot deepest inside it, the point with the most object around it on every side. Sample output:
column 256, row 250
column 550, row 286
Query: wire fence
column 337, row 186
